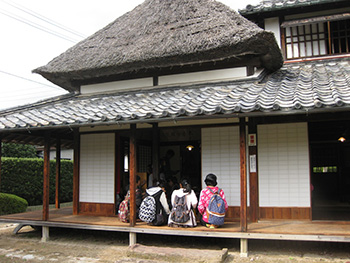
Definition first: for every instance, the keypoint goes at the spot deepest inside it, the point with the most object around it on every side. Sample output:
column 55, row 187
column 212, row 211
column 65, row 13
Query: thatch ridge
column 163, row 33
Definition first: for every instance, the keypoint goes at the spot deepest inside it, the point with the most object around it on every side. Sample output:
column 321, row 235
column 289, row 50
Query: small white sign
column 252, row 163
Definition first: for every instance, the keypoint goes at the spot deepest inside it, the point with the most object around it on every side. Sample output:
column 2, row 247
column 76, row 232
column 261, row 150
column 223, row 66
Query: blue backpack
column 216, row 209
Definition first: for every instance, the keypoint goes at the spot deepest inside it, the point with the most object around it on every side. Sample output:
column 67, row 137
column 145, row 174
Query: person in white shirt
column 162, row 207
column 191, row 202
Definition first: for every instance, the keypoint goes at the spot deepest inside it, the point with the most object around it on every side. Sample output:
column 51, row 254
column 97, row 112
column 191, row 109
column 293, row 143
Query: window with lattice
column 317, row 39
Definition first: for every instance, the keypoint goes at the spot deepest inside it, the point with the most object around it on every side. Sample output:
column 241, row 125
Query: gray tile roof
column 302, row 86
column 275, row 5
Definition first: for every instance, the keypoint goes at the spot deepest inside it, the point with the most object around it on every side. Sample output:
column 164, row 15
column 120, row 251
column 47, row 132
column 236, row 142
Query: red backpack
column 124, row 213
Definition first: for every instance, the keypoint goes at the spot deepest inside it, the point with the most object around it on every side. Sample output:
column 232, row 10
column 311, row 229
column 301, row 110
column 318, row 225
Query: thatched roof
column 163, row 34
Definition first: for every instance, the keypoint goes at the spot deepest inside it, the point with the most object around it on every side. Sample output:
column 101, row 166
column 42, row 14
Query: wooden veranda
column 326, row 231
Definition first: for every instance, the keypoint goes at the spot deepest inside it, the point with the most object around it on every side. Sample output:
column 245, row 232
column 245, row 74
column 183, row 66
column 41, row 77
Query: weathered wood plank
column 273, row 230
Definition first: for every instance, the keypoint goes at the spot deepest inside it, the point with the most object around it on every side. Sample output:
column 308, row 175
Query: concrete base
column 132, row 239
column 45, row 234
column 244, row 248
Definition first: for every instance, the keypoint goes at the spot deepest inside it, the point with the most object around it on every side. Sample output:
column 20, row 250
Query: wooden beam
column 58, row 173
column 46, row 177
column 155, row 151
column 76, row 165
column 132, row 174
column 253, row 175
column 243, row 171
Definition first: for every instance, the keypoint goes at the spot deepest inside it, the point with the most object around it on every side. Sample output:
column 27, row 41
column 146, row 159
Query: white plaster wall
column 65, row 154
column 220, row 155
column 97, row 156
column 145, row 83
column 273, row 24
column 210, row 75
column 117, row 85
column 283, row 163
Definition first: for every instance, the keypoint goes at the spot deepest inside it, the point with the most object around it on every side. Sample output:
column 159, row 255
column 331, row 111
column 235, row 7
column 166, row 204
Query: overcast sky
column 33, row 32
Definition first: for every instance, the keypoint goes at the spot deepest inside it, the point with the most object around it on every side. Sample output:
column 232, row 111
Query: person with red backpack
column 212, row 203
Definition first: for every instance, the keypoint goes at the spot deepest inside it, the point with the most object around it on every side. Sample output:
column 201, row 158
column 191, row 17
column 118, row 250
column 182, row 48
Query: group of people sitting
column 184, row 209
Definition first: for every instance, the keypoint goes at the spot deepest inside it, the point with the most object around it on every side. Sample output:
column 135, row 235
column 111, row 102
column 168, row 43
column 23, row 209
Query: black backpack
column 180, row 213
column 151, row 210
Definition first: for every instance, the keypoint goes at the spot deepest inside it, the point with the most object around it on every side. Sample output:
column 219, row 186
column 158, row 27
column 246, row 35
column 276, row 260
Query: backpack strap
column 218, row 192
column 159, row 206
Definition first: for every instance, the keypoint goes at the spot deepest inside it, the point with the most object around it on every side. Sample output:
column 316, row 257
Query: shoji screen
column 97, row 168
column 220, row 155
column 283, row 157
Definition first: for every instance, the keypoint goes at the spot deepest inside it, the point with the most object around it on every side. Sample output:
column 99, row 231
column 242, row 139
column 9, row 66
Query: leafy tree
column 18, row 150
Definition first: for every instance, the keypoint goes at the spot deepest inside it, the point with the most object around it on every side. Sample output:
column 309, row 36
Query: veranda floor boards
column 65, row 217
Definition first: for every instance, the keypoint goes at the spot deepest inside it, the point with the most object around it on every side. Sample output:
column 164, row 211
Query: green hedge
column 24, row 177
column 11, row 204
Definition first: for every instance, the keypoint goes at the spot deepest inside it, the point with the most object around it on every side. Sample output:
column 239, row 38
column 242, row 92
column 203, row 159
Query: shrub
column 11, row 204
column 24, row 177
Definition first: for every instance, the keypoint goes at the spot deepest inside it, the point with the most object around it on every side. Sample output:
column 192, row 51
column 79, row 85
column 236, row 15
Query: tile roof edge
column 37, row 103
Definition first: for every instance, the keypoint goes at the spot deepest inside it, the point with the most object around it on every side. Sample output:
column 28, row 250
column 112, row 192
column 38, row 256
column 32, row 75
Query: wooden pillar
column 0, row 161
column 243, row 171
column 253, row 171
column 76, row 161
column 132, row 174
column 58, row 173
column 46, row 177
column 118, row 161
column 155, row 151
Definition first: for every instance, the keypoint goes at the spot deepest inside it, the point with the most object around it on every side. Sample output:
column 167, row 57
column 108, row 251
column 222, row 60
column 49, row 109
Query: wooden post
column 58, row 173
column 0, row 161
column 253, row 175
column 243, row 168
column 76, row 165
column 118, row 162
column 46, row 177
column 155, row 151
column 132, row 175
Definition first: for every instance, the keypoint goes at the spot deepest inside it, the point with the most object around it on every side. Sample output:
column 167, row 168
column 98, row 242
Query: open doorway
column 186, row 159
column 330, row 170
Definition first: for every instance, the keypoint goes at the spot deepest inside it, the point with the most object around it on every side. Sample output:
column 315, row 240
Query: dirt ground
column 69, row 245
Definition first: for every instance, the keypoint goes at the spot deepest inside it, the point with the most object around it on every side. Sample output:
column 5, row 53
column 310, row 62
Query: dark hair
column 210, row 179
column 137, row 178
column 161, row 183
column 186, row 185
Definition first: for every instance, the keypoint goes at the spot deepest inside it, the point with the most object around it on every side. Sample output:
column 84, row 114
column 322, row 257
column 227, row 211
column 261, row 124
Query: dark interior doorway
column 330, row 170
column 186, row 162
